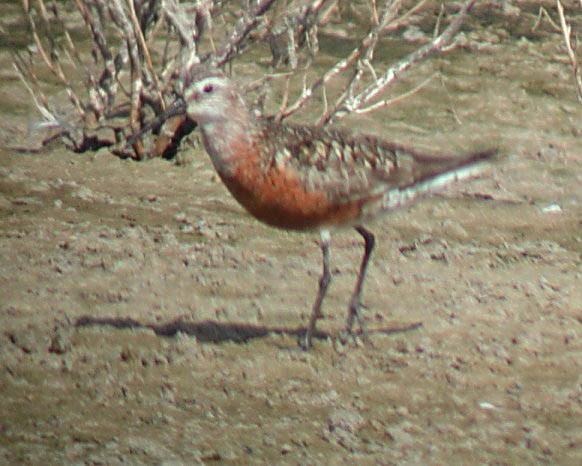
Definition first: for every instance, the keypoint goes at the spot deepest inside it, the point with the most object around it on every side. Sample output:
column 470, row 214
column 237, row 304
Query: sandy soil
column 145, row 318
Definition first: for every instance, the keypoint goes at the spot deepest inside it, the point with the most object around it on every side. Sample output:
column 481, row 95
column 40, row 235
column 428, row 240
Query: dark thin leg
column 354, row 310
column 324, row 282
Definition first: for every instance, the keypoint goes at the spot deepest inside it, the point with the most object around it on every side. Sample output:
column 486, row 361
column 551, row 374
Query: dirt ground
column 145, row 318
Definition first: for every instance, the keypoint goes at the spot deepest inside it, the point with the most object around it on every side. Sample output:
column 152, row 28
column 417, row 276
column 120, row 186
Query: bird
column 308, row 178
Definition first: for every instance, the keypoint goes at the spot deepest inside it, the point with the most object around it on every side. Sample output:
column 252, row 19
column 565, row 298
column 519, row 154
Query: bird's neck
column 231, row 140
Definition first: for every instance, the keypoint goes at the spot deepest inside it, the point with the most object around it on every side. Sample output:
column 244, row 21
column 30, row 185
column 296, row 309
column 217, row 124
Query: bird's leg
column 355, row 305
column 324, row 282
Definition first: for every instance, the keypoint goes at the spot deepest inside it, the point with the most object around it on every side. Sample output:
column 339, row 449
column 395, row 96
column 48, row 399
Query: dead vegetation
column 138, row 50
column 120, row 61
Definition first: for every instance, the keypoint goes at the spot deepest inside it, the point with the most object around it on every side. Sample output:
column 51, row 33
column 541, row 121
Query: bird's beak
column 179, row 107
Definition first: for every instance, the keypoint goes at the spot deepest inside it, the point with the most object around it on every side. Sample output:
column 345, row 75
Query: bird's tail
column 435, row 175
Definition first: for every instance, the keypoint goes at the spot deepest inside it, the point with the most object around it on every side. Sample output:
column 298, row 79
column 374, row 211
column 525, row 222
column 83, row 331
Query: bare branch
column 386, row 103
column 53, row 65
column 50, row 119
column 140, row 48
column 543, row 12
column 187, row 32
column 103, row 89
column 405, row 18
column 566, row 32
column 364, row 49
column 390, row 76
column 120, row 17
column 248, row 21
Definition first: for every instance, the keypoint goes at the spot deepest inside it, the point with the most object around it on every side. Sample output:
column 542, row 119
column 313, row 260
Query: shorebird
column 299, row 177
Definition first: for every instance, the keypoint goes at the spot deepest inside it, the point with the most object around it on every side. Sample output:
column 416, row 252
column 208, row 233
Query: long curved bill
column 177, row 108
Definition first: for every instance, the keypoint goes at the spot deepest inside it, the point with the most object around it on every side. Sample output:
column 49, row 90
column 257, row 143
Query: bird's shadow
column 210, row 331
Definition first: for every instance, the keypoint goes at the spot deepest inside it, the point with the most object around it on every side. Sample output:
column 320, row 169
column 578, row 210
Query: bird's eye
column 208, row 88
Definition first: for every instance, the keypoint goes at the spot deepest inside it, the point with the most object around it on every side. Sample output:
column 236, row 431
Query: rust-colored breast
column 276, row 195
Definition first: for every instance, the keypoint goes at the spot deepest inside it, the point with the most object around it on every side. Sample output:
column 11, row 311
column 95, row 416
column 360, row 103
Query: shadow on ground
column 210, row 331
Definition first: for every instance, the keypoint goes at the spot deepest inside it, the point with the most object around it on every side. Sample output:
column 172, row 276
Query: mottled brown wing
column 348, row 167
column 331, row 161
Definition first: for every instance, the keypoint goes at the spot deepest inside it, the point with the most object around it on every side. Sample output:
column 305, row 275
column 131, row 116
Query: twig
column 402, row 20
column 54, row 67
column 285, row 99
column 244, row 26
column 566, row 31
column 367, row 43
column 374, row 12
column 139, row 34
column 541, row 13
column 453, row 111
column 185, row 28
column 49, row 118
column 120, row 18
column 390, row 76
column 106, row 83
column 437, row 26
column 386, row 103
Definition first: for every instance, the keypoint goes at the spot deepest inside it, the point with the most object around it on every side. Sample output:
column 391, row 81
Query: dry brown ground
column 145, row 318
